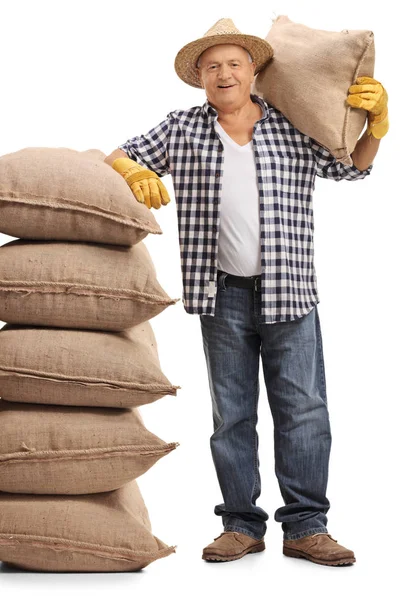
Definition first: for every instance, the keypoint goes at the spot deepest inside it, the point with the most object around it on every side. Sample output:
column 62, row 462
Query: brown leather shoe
column 231, row 545
column 320, row 548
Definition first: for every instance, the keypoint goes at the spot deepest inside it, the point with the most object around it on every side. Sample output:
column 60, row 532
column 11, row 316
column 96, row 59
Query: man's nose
column 224, row 72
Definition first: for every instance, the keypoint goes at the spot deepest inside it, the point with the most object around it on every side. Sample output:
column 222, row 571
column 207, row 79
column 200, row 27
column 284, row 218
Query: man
column 243, row 179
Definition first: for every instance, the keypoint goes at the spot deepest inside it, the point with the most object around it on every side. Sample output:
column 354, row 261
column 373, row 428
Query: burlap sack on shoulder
column 64, row 194
column 308, row 79
column 70, row 450
column 82, row 368
column 104, row 532
column 79, row 285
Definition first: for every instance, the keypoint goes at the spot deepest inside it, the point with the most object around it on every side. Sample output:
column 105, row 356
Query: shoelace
column 328, row 534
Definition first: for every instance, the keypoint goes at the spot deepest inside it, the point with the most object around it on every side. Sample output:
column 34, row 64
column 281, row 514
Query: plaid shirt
column 187, row 146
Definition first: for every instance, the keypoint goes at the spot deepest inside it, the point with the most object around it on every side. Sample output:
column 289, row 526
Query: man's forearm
column 365, row 151
column 118, row 153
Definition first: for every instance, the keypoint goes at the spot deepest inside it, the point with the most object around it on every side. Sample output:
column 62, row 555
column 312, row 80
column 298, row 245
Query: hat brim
column 186, row 59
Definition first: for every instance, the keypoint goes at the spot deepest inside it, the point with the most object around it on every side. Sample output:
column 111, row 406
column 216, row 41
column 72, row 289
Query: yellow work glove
column 372, row 96
column 146, row 185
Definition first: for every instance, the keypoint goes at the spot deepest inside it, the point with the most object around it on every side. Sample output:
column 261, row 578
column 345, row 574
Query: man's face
column 226, row 65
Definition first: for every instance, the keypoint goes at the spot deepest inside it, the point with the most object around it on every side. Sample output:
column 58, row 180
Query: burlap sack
column 79, row 285
column 70, row 450
column 94, row 533
column 308, row 79
column 81, row 368
column 63, row 194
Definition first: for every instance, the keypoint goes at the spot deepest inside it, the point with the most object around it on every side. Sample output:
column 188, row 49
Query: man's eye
column 215, row 66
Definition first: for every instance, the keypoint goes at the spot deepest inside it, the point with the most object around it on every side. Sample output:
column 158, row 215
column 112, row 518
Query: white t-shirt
column 239, row 242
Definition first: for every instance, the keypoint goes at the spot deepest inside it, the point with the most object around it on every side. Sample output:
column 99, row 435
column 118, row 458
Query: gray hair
column 248, row 54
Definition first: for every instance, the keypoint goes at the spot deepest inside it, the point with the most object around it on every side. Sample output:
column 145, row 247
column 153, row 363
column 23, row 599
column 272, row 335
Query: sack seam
column 10, row 539
column 86, row 290
column 87, row 453
column 347, row 157
column 88, row 381
column 77, row 206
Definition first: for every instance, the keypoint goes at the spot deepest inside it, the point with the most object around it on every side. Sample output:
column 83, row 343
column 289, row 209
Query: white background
column 91, row 75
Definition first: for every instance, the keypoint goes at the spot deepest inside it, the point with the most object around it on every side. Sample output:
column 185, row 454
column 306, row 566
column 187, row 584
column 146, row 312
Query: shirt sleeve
column 329, row 168
column 150, row 150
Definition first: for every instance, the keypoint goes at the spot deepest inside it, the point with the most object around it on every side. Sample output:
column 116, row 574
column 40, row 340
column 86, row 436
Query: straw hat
column 223, row 32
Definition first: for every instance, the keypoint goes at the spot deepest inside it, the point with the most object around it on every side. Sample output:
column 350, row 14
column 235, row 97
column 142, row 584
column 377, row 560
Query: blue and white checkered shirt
column 187, row 146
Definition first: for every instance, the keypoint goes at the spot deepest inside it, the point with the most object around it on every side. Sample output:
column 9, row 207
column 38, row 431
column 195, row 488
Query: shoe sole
column 215, row 557
column 332, row 563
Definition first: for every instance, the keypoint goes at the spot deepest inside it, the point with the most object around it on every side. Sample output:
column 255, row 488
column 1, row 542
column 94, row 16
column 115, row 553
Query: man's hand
column 370, row 95
column 146, row 186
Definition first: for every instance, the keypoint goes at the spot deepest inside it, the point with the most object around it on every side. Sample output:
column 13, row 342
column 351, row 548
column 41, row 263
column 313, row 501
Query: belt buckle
column 257, row 283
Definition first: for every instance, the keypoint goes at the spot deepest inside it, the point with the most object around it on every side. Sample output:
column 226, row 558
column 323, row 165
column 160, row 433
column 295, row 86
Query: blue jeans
column 294, row 374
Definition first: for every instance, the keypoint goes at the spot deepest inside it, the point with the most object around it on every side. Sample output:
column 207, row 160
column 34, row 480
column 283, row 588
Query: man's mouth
column 225, row 86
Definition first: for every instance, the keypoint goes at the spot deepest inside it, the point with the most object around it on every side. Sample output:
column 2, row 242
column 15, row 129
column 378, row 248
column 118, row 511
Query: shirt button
column 218, row 174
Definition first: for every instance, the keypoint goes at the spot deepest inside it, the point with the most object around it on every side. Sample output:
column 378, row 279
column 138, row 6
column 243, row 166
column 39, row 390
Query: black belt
column 254, row 281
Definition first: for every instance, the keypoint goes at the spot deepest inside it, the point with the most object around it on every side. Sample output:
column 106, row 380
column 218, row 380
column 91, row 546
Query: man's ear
column 199, row 76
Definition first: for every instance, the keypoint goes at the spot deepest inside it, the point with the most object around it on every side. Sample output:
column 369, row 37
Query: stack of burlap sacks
column 78, row 357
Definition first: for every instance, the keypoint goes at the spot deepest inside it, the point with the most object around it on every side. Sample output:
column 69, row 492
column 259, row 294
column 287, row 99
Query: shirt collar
column 210, row 110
